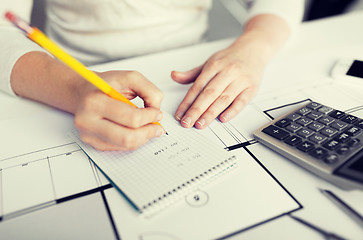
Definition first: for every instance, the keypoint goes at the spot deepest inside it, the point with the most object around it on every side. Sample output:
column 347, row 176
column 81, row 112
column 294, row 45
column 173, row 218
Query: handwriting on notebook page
column 180, row 152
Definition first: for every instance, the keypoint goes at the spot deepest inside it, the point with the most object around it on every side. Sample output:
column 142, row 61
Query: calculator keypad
column 324, row 133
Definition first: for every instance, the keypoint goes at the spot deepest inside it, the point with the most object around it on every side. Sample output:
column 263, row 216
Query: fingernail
column 224, row 118
column 160, row 116
column 159, row 132
column 201, row 122
column 187, row 121
column 178, row 116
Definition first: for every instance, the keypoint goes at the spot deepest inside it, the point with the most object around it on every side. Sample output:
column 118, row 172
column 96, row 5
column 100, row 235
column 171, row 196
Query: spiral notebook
column 163, row 170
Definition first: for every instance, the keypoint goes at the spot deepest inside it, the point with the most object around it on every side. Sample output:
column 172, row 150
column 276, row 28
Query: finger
column 186, row 77
column 194, row 91
column 238, row 104
column 142, row 87
column 219, row 105
column 122, row 137
column 99, row 144
column 205, row 99
column 129, row 116
column 98, row 106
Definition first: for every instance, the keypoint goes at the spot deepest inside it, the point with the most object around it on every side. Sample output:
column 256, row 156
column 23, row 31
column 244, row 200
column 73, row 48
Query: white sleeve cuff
column 291, row 11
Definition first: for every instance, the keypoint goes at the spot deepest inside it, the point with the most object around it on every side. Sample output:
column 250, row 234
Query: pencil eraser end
column 10, row 16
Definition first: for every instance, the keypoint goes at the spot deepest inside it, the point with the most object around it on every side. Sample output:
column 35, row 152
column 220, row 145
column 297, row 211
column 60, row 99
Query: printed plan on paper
column 44, row 170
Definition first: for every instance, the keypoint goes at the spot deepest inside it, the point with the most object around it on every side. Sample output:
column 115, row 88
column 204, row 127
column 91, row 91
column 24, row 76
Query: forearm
column 38, row 76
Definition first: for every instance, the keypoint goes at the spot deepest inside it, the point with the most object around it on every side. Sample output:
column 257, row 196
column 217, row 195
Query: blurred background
column 226, row 16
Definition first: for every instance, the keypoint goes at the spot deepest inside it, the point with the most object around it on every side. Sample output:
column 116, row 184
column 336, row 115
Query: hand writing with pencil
column 109, row 124
column 103, row 122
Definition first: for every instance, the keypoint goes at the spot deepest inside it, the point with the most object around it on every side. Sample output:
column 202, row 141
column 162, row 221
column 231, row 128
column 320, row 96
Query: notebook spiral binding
column 176, row 194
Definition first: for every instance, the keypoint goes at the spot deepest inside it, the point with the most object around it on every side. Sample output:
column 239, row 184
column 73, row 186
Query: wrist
column 263, row 36
column 253, row 46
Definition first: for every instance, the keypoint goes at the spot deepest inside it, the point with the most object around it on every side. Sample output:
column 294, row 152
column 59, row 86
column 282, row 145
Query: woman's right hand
column 109, row 124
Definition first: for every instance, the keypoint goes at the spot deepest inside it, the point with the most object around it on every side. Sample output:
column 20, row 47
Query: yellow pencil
column 41, row 39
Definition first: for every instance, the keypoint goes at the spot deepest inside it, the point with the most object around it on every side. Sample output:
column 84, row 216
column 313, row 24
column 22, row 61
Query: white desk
column 308, row 57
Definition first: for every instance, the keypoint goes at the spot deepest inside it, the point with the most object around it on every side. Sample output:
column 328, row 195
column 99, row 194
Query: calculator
column 324, row 140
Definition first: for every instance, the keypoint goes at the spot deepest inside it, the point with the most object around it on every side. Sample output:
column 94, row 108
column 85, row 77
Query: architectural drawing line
column 259, row 224
column 110, row 215
column 53, row 202
column 229, row 131
column 40, row 159
column 355, row 109
column 239, row 133
column 82, row 194
column 215, row 134
column 51, row 178
column 27, row 210
column 37, row 151
column 237, row 146
column 282, row 106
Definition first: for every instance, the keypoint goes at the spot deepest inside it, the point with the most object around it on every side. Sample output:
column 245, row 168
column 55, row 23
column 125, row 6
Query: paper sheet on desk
column 39, row 164
column 245, row 197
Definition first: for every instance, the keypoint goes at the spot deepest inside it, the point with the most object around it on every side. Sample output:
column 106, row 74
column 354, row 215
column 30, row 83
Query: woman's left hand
column 222, row 86
column 230, row 78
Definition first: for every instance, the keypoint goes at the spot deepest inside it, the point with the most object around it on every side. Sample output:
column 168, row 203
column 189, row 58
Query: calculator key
column 293, row 116
column 283, row 122
column 316, row 126
column 276, row 132
column 305, row 133
column 329, row 132
column 350, row 119
column 293, row 127
column 331, row 145
column 317, row 138
column 337, row 114
column 359, row 124
column 293, row 140
column 304, row 121
column 342, row 138
column 315, row 115
column 318, row 153
column 325, row 109
column 331, row 159
column 353, row 131
column 339, row 125
column 313, row 105
column 342, row 150
column 303, row 111
column 355, row 142
column 306, row 146
column 326, row 120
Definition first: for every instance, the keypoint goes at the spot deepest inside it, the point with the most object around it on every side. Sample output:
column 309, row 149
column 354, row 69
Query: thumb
column 186, row 77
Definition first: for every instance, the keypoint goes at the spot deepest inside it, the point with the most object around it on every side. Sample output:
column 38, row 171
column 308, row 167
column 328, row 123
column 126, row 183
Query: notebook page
column 164, row 169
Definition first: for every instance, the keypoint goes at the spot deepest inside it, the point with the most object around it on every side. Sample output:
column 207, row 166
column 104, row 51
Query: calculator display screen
column 356, row 69
column 353, row 168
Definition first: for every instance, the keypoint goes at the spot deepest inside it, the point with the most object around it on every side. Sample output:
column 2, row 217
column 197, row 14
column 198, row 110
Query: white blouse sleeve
column 291, row 11
column 13, row 42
